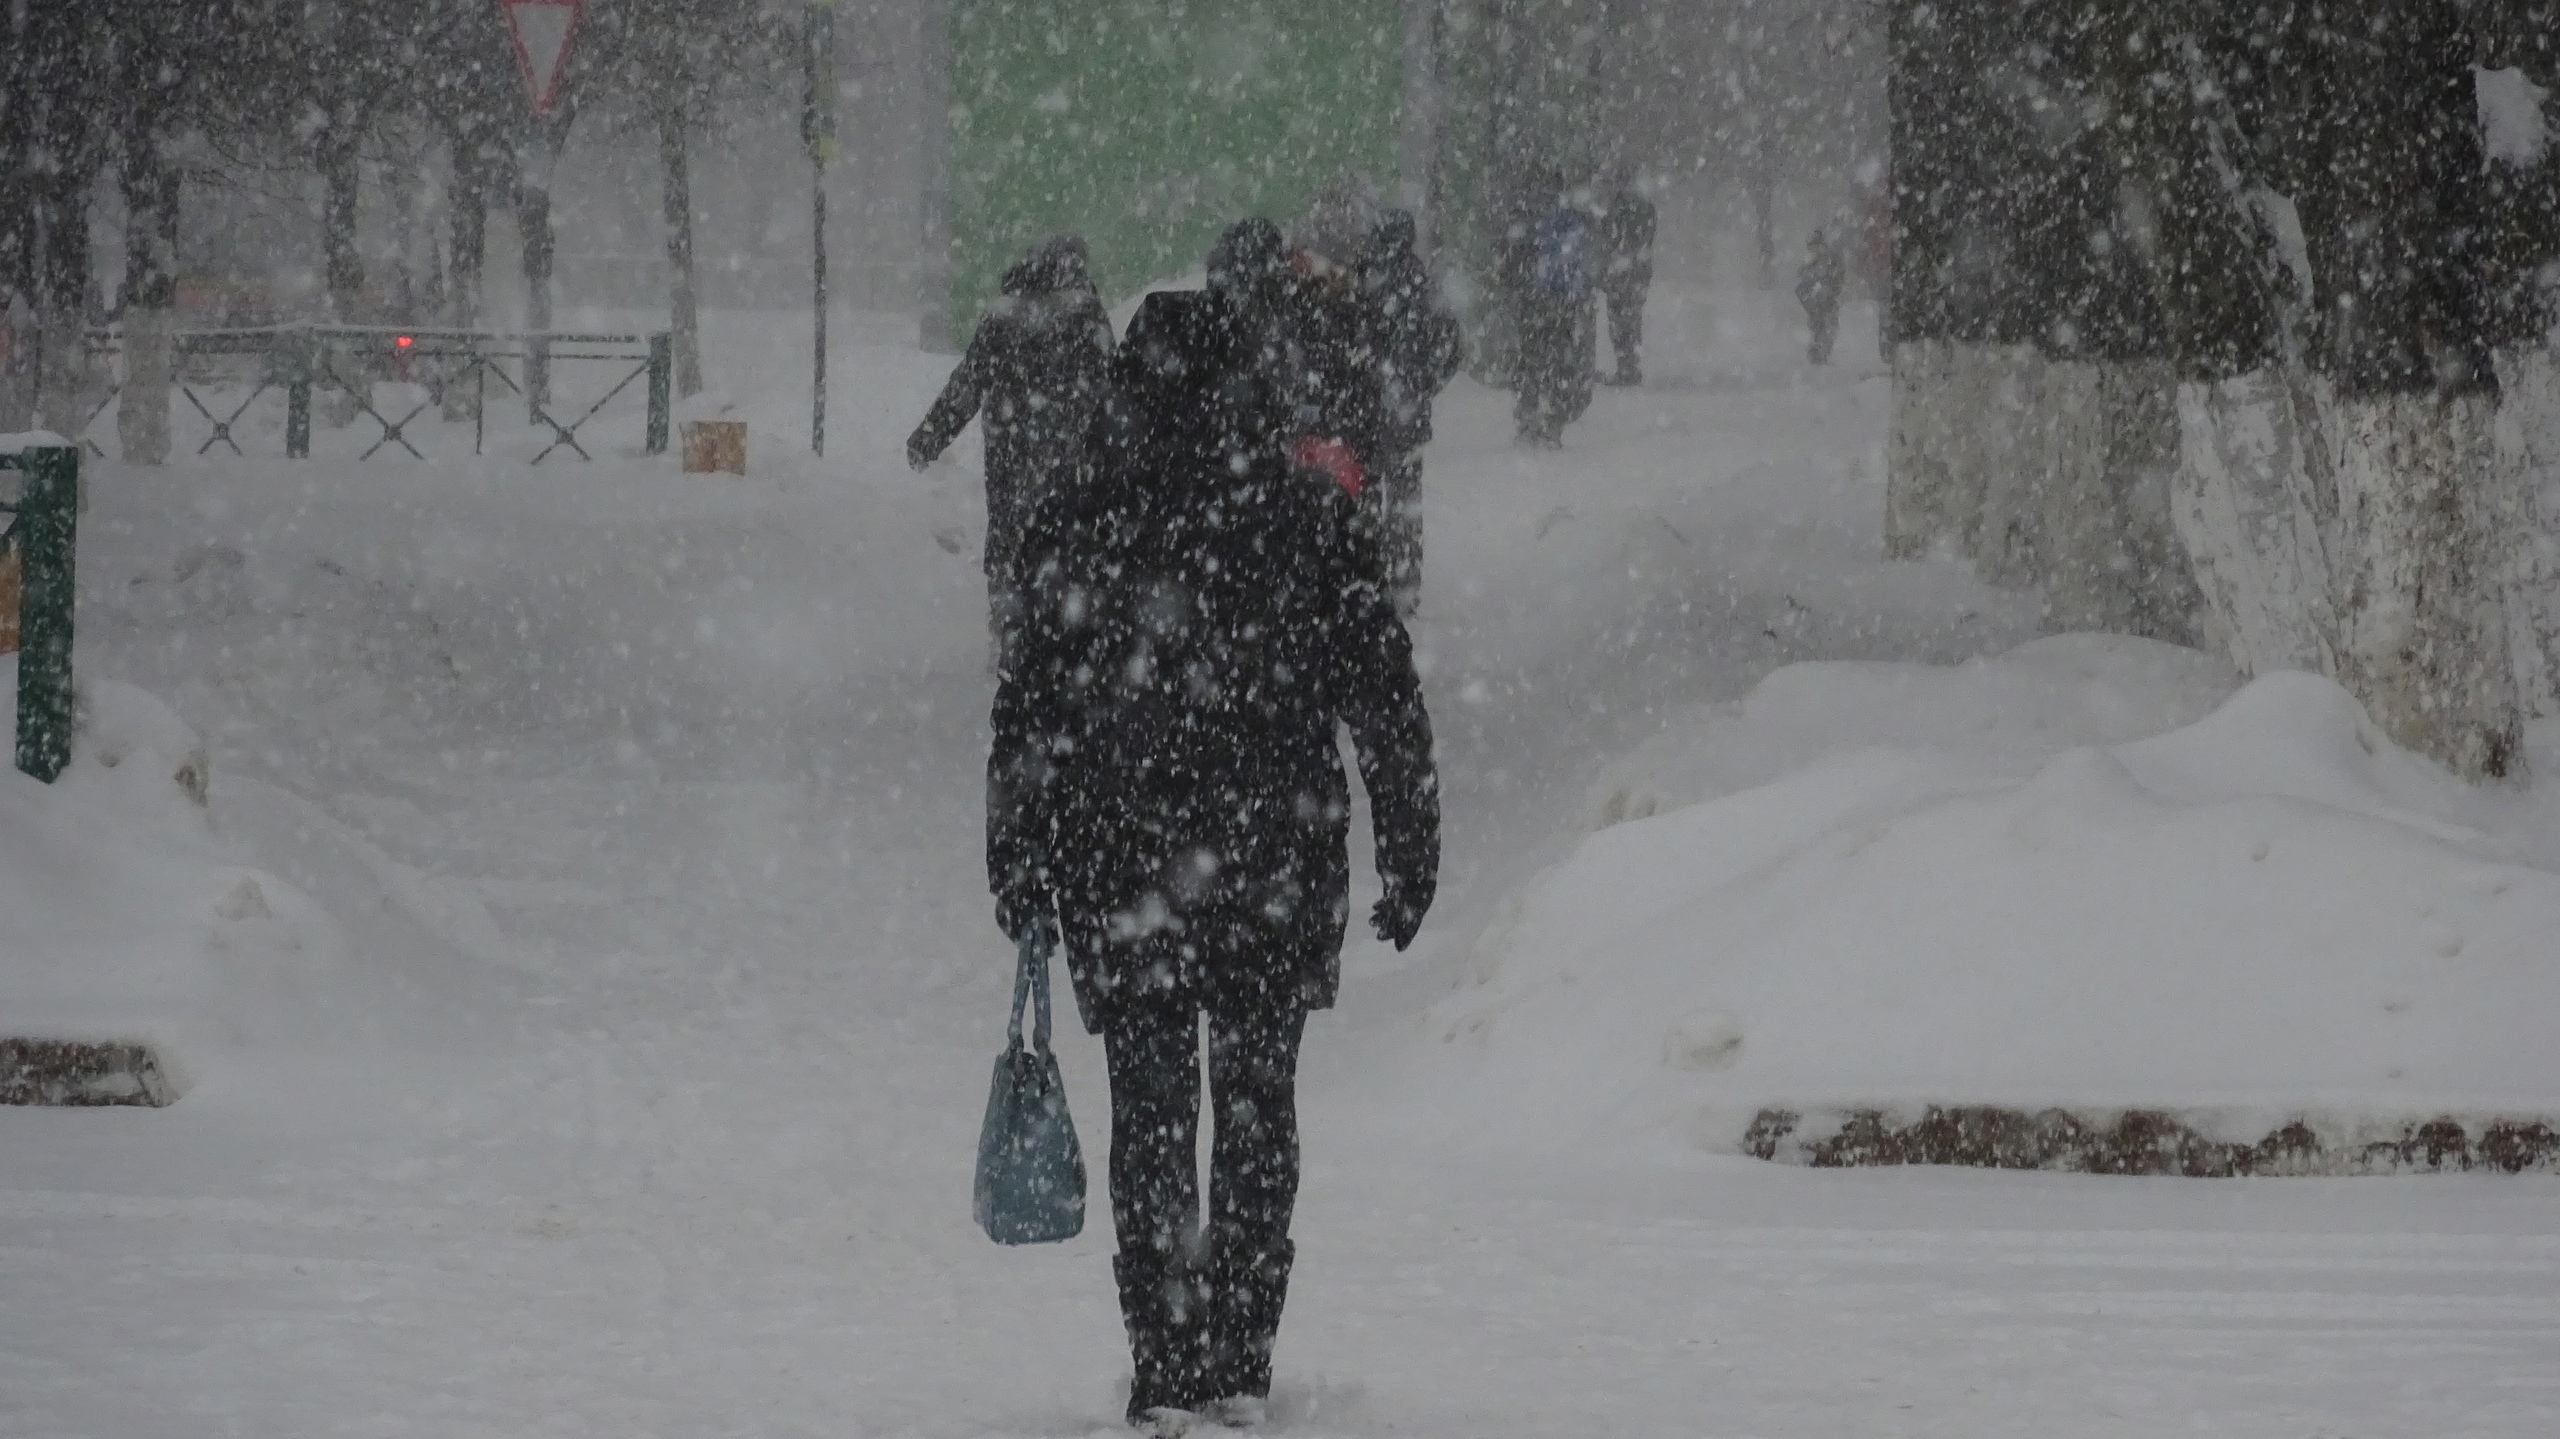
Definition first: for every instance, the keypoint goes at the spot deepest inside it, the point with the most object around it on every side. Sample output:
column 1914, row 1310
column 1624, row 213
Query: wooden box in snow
column 715, row 447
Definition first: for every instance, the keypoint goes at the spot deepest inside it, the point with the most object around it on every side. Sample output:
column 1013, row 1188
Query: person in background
column 1165, row 790
column 1033, row 373
column 1331, row 378
column 1626, row 233
column 1415, row 343
column 1557, row 271
column 1818, row 286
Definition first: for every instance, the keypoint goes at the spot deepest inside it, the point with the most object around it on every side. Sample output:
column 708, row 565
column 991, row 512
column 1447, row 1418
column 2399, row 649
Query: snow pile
column 2003, row 715
column 2267, row 908
column 128, row 916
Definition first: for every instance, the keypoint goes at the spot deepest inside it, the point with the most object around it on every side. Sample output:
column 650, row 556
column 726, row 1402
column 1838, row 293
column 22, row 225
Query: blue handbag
column 1030, row 1170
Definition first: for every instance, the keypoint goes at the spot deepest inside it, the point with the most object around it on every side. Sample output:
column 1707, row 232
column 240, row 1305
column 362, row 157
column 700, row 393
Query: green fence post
column 297, row 409
column 48, row 520
column 662, row 364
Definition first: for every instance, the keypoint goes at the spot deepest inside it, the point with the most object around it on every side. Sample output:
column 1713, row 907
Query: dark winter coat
column 1333, row 383
column 1626, row 237
column 1413, row 336
column 1201, row 616
column 1033, row 374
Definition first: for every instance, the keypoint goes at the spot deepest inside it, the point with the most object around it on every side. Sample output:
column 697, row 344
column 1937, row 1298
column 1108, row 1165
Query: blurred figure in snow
column 1034, row 372
column 1332, row 380
column 1557, row 270
column 1818, row 285
column 1626, row 233
column 1165, row 789
column 1414, row 344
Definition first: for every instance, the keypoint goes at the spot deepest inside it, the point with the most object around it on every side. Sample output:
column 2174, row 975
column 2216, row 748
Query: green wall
column 1147, row 126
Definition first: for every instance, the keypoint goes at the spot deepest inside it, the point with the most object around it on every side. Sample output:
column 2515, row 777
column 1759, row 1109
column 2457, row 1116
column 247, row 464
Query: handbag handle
column 1031, row 983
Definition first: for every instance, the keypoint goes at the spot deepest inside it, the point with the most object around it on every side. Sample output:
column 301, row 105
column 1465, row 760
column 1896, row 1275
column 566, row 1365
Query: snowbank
column 2268, row 908
column 130, row 919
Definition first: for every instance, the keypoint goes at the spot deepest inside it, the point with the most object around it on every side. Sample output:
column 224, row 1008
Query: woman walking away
column 1034, row 370
column 1164, row 787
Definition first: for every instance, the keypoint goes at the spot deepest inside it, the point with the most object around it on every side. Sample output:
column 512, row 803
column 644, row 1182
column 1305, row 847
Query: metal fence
column 299, row 359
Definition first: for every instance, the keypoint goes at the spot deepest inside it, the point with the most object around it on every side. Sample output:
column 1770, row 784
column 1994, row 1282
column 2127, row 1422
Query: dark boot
column 1163, row 1304
column 1248, row 1284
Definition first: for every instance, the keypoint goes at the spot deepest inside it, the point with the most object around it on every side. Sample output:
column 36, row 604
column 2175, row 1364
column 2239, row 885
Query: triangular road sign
column 542, row 30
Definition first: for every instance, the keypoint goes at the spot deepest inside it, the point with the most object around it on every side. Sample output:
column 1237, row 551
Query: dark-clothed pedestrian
column 1626, row 232
column 1818, row 286
column 1329, row 368
column 1032, row 375
column 1164, row 786
column 1415, row 342
column 1557, row 274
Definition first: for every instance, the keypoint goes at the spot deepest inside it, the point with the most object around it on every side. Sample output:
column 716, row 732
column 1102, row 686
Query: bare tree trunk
column 150, row 289
column 2529, row 446
column 533, row 223
column 2423, row 505
column 2110, row 554
column 62, row 295
column 403, row 297
column 684, row 308
column 2252, row 501
column 337, row 156
column 469, row 250
column 18, row 335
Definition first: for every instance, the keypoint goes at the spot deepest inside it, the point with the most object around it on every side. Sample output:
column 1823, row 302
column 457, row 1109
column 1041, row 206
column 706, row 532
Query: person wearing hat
column 1032, row 375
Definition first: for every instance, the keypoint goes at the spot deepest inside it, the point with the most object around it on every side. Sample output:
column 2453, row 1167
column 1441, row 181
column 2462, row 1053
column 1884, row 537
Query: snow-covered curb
column 2192, row 1144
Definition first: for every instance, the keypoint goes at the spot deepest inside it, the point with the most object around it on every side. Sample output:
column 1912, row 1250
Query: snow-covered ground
column 586, row 983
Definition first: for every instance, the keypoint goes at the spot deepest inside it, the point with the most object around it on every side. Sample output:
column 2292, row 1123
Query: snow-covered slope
column 2267, row 908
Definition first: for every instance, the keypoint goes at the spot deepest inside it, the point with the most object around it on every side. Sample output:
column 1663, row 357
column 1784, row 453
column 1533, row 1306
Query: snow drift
column 132, row 919
column 2268, row 908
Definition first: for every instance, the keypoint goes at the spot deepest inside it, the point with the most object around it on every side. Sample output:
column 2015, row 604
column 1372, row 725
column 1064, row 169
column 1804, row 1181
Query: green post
column 48, row 518
column 662, row 364
column 297, row 410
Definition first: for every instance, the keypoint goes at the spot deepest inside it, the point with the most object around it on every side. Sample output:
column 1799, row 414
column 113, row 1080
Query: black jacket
column 1200, row 618
column 1333, row 382
column 1415, row 338
column 1036, row 367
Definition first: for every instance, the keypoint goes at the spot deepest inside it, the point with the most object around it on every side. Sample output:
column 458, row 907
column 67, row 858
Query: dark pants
column 1395, row 507
column 1554, row 379
column 1626, row 331
column 1202, row 1308
column 1006, row 604
column 1822, row 318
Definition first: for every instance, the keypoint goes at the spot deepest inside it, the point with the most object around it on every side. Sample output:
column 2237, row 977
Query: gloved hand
column 918, row 457
column 1397, row 916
